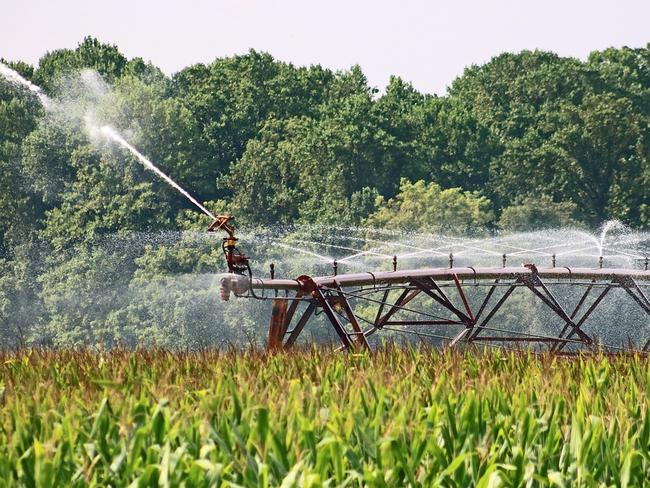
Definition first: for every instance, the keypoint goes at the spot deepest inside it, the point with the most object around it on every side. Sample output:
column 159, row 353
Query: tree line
column 526, row 140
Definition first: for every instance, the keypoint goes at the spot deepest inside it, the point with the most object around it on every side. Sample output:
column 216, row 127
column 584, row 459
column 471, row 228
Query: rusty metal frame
column 336, row 302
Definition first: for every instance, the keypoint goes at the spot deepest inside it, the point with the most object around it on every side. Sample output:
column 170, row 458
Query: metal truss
column 460, row 308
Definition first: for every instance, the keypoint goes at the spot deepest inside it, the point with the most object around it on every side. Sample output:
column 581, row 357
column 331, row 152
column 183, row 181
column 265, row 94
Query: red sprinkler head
column 236, row 260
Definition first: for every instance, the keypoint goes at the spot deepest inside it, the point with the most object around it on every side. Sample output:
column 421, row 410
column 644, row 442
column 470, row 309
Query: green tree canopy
column 537, row 212
column 430, row 208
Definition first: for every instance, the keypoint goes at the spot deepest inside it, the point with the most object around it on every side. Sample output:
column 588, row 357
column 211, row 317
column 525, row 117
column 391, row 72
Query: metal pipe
column 445, row 274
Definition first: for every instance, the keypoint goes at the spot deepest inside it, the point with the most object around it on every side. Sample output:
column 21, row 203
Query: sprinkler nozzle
column 236, row 260
column 233, row 283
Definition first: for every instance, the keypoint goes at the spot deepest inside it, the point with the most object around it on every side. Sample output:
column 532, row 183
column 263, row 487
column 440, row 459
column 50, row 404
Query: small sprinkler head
column 394, row 263
column 600, row 262
column 451, row 259
column 646, row 263
column 272, row 269
column 504, row 259
column 554, row 260
column 335, row 268
column 237, row 261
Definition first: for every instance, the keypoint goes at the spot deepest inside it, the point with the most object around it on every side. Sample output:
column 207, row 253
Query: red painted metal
column 417, row 301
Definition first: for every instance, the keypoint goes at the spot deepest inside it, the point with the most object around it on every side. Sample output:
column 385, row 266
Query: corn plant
column 315, row 417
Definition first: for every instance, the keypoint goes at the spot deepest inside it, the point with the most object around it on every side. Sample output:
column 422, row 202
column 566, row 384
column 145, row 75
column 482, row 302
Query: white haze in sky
column 426, row 42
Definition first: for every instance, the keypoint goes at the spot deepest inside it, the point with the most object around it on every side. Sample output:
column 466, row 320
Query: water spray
column 15, row 78
column 114, row 136
column 395, row 292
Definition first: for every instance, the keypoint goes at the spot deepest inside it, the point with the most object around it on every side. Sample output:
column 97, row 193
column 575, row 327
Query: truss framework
column 436, row 304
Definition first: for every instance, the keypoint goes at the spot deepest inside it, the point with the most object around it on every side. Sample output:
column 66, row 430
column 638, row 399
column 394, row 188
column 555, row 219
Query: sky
column 427, row 43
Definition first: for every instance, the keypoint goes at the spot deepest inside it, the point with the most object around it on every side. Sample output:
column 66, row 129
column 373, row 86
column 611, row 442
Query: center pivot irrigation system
column 454, row 306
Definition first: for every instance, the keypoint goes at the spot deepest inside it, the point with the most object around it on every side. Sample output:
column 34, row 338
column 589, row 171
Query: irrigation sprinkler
column 458, row 306
column 238, row 262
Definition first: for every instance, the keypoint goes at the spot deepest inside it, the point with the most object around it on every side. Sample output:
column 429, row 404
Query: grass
column 318, row 418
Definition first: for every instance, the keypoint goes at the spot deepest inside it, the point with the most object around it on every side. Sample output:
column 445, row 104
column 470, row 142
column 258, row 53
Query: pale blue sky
column 426, row 43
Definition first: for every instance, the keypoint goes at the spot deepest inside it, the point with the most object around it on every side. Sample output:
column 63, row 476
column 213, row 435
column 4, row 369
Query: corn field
column 314, row 417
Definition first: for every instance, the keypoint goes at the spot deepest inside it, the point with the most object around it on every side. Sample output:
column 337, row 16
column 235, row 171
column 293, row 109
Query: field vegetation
column 402, row 417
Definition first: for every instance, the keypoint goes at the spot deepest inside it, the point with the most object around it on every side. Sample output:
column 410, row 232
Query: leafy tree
column 428, row 207
column 80, row 295
column 539, row 139
column 579, row 161
column 537, row 212
column 625, row 73
column 106, row 59
column 108, row 196
column 458, row 148
column 232, row 98
column 17, row 212
column 22, row 316
column 509, row 93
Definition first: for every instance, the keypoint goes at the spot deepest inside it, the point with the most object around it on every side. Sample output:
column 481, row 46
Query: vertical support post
column 504, row 259
column 451, row 259
column 335, row 268
column 278, row 319
column 394, row 263
column 281, row 316
column 553, row 259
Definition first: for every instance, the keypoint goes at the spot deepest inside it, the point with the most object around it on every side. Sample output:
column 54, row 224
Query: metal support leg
column 404, row 298
column 441, row 298
column 278, row 320
column 360, row 337
column 560, row 345
column 502, row 300
column 333, row 318
column 293, row 335
column 554, row 305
